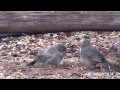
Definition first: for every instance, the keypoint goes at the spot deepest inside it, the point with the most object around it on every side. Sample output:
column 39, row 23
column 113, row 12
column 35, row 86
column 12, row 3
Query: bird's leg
column 109, row 68
column 100, row 66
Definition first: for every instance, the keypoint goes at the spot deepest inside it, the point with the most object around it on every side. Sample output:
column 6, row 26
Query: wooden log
column 57, row 21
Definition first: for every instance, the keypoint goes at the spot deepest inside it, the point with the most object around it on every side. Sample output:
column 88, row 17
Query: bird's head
column 85, row 43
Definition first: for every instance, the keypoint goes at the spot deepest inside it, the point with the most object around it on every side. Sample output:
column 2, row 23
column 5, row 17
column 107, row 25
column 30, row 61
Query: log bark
column 57, row 21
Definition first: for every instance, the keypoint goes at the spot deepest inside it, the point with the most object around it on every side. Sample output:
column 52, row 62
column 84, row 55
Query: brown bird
column 51, row 56
column 93, row 58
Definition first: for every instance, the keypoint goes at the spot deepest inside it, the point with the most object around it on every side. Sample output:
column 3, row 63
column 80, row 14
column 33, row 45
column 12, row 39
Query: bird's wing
column 51, row 60
column 54, row 59
column 102, row 57
column 91, row 54
column 96, row 55
column 43, row 56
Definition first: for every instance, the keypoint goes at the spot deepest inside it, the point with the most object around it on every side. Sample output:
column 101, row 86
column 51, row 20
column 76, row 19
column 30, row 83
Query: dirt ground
column 16, row 52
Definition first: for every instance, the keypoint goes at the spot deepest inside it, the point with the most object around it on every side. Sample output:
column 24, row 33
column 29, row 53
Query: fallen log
column 57, row 21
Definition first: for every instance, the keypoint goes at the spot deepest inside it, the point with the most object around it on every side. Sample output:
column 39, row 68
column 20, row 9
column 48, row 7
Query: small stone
column 69, row 55
column 14, row 54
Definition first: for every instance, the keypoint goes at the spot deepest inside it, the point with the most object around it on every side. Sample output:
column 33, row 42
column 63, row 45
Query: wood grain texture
column 56, row 21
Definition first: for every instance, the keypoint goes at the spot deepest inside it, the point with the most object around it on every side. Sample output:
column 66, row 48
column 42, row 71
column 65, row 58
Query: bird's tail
column 31, row 63
column 111, row 66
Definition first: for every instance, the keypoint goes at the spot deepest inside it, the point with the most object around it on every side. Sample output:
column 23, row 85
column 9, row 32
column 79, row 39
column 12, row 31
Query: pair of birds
column 53, row 55
column 89, row 55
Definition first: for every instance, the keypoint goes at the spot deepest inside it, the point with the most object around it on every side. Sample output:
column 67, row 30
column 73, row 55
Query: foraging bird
column 93, row 58
column 90, row 55
column 51, row 56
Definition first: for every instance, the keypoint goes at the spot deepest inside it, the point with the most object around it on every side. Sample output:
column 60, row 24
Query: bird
column 91, row 57
column 51, row 56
